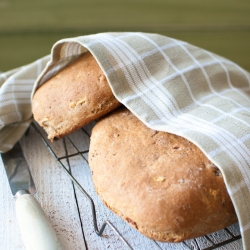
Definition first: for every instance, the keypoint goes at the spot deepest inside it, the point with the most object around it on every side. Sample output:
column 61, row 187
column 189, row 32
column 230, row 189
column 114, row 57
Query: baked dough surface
column 74, row 97
column 160, row 183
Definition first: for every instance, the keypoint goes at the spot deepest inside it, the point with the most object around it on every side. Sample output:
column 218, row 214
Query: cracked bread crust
column 160, row 183
column 74, row 97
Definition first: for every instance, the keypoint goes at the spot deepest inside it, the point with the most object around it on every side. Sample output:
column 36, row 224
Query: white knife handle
column 36, row 230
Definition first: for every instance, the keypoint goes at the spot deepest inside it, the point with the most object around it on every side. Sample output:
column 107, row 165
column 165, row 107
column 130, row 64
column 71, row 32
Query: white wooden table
column 70, row 211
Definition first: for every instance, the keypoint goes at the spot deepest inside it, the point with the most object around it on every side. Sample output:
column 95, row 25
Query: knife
column 35, row 227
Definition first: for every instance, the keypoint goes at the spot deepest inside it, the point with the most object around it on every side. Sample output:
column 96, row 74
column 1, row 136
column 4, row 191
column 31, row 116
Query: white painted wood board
column 70, row 211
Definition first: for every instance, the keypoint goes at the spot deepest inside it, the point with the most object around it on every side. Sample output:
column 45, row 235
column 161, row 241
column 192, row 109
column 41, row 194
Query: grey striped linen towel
column 15, row 101
column 171, row 86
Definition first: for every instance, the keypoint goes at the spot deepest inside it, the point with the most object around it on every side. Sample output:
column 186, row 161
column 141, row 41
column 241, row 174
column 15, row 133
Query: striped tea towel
column 15, row 98
column 175, row 87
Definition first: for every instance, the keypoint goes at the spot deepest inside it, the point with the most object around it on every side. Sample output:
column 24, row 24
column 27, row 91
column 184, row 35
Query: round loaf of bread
column 160, row 183
column 74, row 97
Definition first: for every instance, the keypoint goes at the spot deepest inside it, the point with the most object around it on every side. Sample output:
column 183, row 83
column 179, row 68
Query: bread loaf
column 73, row 98
column 160, row 183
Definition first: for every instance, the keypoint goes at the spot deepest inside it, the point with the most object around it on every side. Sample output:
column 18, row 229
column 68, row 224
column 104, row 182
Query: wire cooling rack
column 227, row 238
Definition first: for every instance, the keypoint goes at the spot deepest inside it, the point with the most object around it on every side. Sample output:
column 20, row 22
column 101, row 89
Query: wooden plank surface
column 70, row 211
column 54, row 192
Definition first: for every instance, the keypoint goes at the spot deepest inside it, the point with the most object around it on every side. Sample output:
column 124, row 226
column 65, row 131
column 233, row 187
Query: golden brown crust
column 160, row 183
column 73, row 98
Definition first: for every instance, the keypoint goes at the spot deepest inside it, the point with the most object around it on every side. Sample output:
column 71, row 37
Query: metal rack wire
column 212, row 241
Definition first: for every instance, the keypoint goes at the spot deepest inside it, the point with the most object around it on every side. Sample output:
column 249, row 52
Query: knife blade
column 35, row 227
column 17, row 171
